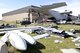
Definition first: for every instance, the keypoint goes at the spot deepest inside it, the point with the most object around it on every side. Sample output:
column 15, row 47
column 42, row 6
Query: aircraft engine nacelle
column 25, row 36
column 17, row 42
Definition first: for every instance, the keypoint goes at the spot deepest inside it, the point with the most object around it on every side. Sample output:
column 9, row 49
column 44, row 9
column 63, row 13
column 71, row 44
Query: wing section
column 5, row 30
column 76, row 39
column 41, row 36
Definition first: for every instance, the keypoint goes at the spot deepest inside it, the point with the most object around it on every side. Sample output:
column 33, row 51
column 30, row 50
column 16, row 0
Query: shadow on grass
column 34, row 48
column 78, row 49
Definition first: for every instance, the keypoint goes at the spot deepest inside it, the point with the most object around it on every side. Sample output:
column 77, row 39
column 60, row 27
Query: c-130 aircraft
column 18, row 39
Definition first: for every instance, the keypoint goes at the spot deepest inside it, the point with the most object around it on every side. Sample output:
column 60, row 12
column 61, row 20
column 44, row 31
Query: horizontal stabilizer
column 52, row 6
column 41, row 36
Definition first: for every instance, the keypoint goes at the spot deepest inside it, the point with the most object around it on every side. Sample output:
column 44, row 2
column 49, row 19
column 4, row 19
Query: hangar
column 31, row 13
column 26, row 13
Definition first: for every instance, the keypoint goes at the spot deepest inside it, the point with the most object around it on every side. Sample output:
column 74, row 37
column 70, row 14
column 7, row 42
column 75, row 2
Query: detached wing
column 5, row 30
column 41, row 36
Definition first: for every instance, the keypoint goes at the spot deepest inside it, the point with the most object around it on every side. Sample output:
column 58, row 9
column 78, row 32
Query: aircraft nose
column 34, row 42
column 22, row 47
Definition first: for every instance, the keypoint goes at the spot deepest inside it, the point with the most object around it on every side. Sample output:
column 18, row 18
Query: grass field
column 47, row 45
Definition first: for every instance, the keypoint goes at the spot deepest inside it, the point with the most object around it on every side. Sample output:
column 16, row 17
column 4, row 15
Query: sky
column 9, row 5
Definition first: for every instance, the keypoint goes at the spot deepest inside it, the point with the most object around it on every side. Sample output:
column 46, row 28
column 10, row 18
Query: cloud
column 4, row 10
column 71, row 6
column 2, row 4
column 74, row 6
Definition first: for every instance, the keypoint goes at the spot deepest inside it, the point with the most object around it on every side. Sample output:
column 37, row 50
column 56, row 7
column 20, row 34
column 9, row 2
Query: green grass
column 42, row 24
column 52, row 47
column 47, row 45
column 67, row 27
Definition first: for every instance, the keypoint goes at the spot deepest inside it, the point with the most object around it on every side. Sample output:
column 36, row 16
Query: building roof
column 21, row 10
column 40, row 9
